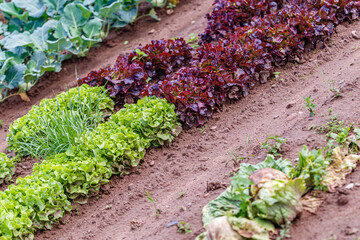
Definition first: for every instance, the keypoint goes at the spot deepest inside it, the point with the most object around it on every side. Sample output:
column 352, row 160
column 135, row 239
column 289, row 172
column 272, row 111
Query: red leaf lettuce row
column 253, row 37
column 227, row 15
column 149, row 63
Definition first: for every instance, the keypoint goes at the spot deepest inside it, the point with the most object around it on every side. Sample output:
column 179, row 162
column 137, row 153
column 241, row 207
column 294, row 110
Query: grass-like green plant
column 157, row 210
column 53, row 126
column 235, row 158
column 310, row 106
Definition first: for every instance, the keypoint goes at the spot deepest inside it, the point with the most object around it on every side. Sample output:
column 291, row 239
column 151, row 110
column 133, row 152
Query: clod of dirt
column 342, row 200
column 291, row 117
column 135, row 224
column 291, row 104
column 264, row 75
column 351, row 231
column 340, row 28
column 111, row 44
column 212, row 186
column 343, row 191
column 355, row 35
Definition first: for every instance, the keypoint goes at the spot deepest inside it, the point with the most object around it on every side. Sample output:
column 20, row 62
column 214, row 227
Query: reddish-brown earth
column 178, row 176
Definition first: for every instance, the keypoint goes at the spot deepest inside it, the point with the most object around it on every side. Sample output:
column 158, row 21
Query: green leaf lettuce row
column 121, row 146
column 123, row 139
column 36, row 202
column 80, row 176
column 7, row 168
column 152, row 118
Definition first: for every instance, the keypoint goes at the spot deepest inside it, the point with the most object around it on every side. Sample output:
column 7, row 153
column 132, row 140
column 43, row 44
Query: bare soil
column 195, row 168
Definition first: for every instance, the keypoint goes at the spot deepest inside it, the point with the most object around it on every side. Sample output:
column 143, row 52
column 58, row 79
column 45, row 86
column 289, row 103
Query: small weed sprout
column 247, row 139
column 333, row 237
column 183, row 208
column 334, row 89
column 310, row 105
column 140, row 53
column 337, row 134
column 181, row 194
column 1, row 123
column 171, row 6
column 202, row 129
column 276, row 75
column 184, row 227
column 235, row 158
column 273, row 145
column 157, row 210
column 333, row 126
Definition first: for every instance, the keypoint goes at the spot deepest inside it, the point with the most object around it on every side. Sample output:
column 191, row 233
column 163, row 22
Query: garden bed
column 181, row 186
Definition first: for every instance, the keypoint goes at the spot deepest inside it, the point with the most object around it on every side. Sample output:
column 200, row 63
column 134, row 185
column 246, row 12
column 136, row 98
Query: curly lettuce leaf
column 220, row 207
column 152, row 118
column 311, row 167
column 278, row 201
column 7, row 168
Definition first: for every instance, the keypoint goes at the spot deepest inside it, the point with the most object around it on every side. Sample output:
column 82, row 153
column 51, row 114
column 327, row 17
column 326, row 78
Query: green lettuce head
column 275, row 197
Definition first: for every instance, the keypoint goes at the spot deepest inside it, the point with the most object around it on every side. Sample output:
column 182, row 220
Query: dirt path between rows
column 183, row 177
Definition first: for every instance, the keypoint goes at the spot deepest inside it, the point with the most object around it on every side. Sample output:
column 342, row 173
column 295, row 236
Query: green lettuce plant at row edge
column 7, row 168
